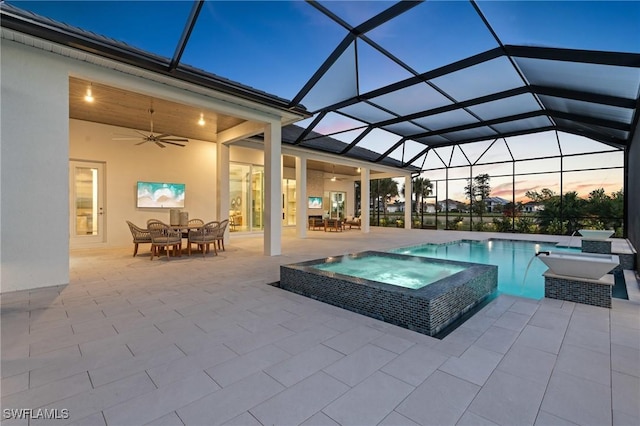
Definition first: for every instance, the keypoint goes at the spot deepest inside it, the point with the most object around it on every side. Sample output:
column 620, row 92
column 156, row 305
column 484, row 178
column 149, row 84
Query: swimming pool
column 511, row 257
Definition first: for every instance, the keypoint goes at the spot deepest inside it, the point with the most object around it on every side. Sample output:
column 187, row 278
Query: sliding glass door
column 288, row 202
column 257, row 198
column 337, row 202
column 246, row 190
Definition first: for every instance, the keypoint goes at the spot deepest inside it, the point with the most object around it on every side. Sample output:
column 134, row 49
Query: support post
column 364, row 200
column 408, row 189
column 301, row 197
column 222, row 185
column 272, row 189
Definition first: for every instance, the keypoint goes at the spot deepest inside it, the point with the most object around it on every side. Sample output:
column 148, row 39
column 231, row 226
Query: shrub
column 455, row 224
column 556, row 227
column 502, row 224
column 525, row 225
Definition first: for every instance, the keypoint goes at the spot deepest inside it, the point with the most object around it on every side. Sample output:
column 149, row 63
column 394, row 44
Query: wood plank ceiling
column 118, row 107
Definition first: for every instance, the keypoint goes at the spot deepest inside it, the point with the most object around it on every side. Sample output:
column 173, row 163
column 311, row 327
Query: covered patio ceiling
column 124, row 108
column 387, row 81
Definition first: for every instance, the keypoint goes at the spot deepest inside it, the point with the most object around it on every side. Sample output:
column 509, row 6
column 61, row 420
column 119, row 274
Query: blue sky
column 276, row 46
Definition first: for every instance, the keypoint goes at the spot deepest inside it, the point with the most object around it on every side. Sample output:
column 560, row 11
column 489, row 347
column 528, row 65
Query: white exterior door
column 86, row 195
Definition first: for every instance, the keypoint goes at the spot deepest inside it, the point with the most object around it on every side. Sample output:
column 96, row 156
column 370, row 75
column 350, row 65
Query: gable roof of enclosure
column 473, row 80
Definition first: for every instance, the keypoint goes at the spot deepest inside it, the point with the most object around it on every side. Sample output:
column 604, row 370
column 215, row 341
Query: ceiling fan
column 160, row 140
column 333, row 177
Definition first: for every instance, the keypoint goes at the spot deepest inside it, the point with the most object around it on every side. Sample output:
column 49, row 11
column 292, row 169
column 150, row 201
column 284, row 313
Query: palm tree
column 384, row 189
column 422, row 187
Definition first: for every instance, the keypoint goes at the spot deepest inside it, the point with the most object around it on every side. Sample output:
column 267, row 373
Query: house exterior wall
column 126, row 163
column 34, row 153
column 35, row 143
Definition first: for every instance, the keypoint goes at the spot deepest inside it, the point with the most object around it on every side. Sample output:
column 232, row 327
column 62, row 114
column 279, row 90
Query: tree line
column 556, row 214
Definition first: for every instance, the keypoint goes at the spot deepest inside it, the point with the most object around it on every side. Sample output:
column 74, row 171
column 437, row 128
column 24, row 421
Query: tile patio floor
column 205, row 341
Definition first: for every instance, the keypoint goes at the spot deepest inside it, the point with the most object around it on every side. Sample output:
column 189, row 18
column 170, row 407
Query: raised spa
column 579, row 265
column 420, row 294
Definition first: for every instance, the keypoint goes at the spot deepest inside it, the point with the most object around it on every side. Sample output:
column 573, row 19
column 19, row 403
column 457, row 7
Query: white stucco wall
column 34, row 170
column 127, row 163
column 35, row 153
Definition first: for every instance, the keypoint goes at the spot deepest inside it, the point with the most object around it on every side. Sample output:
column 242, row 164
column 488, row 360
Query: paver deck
column 206, row 341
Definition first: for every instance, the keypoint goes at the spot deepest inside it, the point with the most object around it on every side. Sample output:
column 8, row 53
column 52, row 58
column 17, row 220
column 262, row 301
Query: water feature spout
column 543, row 252
column 526, row 271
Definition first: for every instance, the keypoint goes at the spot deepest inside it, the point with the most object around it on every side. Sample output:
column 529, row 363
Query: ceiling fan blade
column 130, row 138
column 162, row 135
column 173, row 143
column 160, row 145
column 144, row 135
column 174, row 139
column 144, row 141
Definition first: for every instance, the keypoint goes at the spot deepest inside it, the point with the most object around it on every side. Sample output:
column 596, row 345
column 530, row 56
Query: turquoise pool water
column 511, row 257
column 389, row 270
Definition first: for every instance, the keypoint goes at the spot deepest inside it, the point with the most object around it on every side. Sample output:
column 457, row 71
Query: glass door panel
column 289, row 202
column 86, row 195
column 338, row 201
column 257, row 198
column 239, row 184
column 246, row 193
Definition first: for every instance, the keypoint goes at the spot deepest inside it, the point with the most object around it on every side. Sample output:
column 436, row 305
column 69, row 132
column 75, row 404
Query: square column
column 222, row 185
column 408, row 189
column 272, row 189
column 364, row 199
column 301, row 197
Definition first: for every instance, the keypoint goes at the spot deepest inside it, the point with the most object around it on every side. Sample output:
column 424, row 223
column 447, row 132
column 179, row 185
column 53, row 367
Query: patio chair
column 153, row 220
column 221, row 231
column 353, row 222
column 163, row 236
column 192, row 223
column 195, row 222
column 140, row 236
column 203, row 237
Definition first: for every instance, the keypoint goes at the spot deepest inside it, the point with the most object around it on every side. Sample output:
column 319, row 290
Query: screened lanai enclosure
column 508, row 109
column 565, row 183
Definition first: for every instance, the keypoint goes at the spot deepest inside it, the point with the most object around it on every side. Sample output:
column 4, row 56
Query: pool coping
column 434, row 289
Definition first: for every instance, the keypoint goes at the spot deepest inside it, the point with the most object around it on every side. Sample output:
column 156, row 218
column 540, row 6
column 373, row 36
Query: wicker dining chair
column 140, row 236
column 163, row 236
column 203, row 237
column 220, row 236
column 192, row 222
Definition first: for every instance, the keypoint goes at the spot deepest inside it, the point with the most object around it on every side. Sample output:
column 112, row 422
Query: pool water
column 514, row 260
column 400, row 272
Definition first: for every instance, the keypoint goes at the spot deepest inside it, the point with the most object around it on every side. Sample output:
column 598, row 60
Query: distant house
column 427, row 208
column 532, row 207
column 450, row 205
column 493, row 202
column 396, row 207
